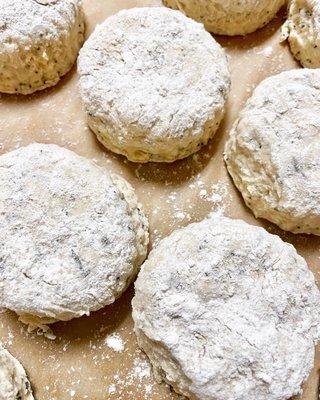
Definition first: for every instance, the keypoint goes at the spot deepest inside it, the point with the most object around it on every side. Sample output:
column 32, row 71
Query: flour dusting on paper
column 138, row 376
column 204, row 196
column 115, row 342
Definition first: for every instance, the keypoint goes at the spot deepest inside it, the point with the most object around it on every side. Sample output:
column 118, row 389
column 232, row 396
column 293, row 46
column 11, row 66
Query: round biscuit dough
column 72, row 237
column 14, row 384
column 154, row 84
column 229, row 17
column 302, row 29
column 226, row 311
column 39, row 42
column 273, row 151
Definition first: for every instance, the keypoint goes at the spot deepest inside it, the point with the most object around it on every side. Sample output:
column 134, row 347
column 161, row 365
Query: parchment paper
column 85, row 362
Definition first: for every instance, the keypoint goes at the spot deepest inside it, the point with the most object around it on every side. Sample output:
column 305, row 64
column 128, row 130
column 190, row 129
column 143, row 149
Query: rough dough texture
column 39, row 42
column 14, row 384
column 154, row 84
column 273, row 151
column 71, row 237
column 302, row 29
column 227, row 311
column 229, row 17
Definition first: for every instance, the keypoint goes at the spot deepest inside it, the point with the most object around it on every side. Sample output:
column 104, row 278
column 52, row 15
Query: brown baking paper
column 96, row 357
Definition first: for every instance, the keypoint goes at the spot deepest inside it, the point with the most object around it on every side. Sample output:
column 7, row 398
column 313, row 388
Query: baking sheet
column 96, row 357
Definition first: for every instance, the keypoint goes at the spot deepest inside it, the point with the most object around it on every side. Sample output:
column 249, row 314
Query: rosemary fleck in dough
column 71, row 237
column 302, row 29
column 14, row 384
column 154, row 84
column 39, row 42
column 273, row 151
column 226, row 311
column 229, row 17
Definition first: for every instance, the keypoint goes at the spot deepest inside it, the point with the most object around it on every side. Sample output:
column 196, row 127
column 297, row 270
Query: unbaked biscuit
column 14, row 384
column 39, row 42
column 273, row 151
column 229, row 17
column 226, row 311
column 302, row 29
column 154, row 84
column 72, row 237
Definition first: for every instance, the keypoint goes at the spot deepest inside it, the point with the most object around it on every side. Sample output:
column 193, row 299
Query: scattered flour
column 266, row 52
column 112, row 389
column 139, row 377
column 115, row 342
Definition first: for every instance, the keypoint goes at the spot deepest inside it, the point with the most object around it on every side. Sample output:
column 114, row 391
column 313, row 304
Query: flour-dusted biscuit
column 226, row 311
column 302, row 29
column 229, row 17
column 71, row 237
column 154, row 84
column 273, row 151
column 14, row 384
column 39, row 42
